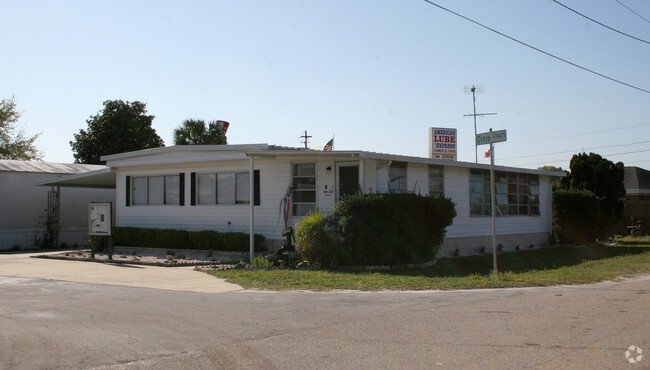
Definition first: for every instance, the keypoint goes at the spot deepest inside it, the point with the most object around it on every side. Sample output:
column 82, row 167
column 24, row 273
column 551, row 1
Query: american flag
column 488, row 153
column 329, row 145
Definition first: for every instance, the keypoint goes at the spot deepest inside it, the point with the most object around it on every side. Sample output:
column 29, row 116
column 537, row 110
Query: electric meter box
column 99, row 219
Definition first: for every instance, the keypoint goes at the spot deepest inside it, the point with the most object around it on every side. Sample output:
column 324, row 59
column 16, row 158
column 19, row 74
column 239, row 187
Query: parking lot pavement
column 166, row 278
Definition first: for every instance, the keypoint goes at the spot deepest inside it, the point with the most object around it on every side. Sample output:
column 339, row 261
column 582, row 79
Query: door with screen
column 347, row 179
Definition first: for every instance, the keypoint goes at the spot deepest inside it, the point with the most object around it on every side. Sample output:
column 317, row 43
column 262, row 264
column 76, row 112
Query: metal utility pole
column 306, row 137
column 474, row 90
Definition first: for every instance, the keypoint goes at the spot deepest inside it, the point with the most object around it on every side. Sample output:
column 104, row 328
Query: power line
column 604, row 25
column 602, row 155
column 577, row 150
column 628, row 8
column 634, row 152
column 537, row 49
column 580, row 133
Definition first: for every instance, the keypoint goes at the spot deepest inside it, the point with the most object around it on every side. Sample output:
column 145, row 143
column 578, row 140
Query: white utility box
column 99, row 218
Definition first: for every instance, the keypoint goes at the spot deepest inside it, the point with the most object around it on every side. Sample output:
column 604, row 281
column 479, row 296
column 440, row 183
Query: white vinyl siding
column 274, row 178
column 277, row 173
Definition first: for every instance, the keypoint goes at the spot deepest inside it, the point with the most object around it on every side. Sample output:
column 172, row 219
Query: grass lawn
column 544, row 267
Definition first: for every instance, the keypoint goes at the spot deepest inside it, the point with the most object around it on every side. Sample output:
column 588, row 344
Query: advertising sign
column 442, row 143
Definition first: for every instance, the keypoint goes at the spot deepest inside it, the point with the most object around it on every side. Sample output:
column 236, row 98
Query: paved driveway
column 167, row 278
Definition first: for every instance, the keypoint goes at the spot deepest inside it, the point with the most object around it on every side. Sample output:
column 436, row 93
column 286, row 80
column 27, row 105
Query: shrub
column 260, row 261
column 575, row 216
column 315, row 242
column 390, row 229
column 183, row 239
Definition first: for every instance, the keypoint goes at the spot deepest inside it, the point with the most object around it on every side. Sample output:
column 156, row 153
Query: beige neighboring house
column 637, row 198
column 29, row 212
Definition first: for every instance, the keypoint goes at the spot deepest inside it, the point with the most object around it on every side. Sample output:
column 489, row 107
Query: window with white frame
column 155, row 190
column 223, row 188
column 397, row 177
column 436, row 181
column 517, row 194
column 303, row 176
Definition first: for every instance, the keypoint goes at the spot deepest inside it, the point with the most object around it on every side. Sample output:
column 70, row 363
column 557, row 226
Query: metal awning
column 99, row 179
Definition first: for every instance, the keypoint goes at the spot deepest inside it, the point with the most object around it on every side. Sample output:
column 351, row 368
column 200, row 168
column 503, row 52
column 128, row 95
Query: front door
column 347, row 179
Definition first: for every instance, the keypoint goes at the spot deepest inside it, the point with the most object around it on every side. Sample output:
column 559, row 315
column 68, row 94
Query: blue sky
column 374, row 74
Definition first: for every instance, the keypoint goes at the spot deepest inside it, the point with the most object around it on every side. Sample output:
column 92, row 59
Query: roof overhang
column 394, row 158
column 100, row 179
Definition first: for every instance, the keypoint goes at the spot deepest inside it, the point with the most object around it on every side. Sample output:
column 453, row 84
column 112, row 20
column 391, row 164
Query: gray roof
column 636, row 180
column 8, row 165
column 263, row 150
column 200, row 148
column 103, row 178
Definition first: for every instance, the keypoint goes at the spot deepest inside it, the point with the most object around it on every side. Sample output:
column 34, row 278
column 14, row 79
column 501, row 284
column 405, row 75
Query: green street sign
column 491, row 137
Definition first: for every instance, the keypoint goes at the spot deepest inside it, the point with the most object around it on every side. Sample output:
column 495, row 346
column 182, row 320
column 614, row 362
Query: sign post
column 492, row 137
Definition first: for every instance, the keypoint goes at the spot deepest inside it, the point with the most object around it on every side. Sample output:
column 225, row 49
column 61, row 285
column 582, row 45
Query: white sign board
column 99, row 219
column 491, row 137
column 442, row 143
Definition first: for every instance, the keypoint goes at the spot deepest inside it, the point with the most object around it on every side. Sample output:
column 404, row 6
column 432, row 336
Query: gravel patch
column 151, row 259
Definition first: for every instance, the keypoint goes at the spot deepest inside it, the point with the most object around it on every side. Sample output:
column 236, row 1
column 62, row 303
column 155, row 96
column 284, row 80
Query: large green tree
column 604, row 179
column 13, row 143
column 196, row 132
column 119, row 127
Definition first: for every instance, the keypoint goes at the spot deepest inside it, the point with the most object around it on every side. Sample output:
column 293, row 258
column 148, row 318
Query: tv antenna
column 474, row 90
column 306, row 137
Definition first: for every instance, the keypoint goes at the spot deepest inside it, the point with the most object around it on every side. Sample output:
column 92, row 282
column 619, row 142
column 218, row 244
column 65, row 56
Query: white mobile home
column 28, row 212
column 241, row 188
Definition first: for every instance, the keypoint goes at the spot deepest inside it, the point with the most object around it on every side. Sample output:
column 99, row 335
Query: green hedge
column 183, row 239
column 379, row 229
column 576, row 216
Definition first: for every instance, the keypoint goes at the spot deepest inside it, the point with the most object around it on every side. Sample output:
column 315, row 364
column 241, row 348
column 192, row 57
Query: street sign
column 491, row 137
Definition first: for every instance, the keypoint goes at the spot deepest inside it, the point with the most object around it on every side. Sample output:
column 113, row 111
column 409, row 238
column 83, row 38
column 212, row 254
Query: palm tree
column 195, row 132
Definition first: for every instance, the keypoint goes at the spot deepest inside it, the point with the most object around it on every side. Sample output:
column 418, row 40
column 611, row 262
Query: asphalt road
column 64, row 324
